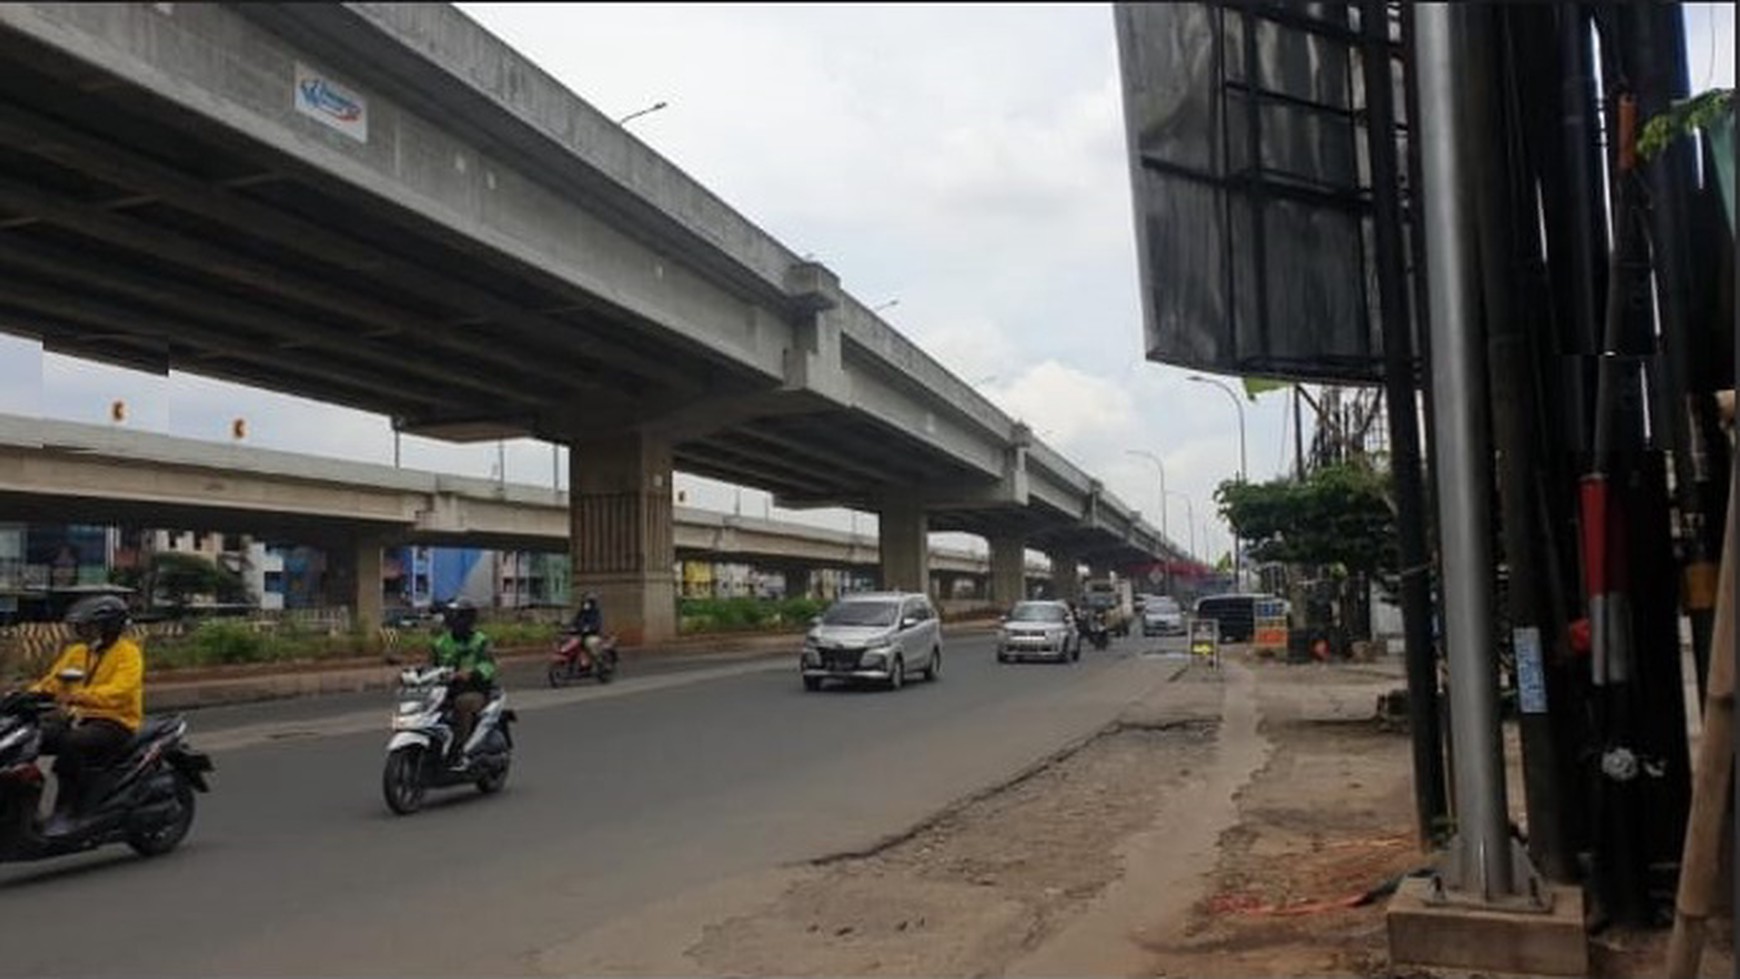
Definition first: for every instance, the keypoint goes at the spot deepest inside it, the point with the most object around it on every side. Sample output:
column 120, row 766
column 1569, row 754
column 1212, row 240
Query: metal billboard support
column 1486, row 866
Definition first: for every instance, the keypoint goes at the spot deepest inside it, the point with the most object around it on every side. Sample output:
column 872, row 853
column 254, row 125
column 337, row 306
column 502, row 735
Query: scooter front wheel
column 402, row 780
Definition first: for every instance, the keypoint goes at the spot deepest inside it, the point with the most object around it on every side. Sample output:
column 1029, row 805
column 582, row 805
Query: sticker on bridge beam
column 330, row 103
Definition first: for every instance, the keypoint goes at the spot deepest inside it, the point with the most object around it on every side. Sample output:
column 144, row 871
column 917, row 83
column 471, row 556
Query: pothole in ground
column 981, row 884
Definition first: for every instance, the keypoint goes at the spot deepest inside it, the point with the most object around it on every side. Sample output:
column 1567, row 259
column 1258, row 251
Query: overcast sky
column 966, row 164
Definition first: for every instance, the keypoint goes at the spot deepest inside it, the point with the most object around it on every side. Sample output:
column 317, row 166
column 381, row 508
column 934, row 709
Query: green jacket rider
column 467, row 651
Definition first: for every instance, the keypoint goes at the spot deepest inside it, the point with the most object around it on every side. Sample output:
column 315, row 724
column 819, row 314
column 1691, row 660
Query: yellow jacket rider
column 102, row 709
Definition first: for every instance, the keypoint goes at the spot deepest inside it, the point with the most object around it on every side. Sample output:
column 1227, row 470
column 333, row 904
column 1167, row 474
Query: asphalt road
column 518, row 673
column 619, row 796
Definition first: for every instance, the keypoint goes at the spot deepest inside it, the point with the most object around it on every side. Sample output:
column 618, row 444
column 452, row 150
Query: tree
column 1338, row 518
column 181, row 576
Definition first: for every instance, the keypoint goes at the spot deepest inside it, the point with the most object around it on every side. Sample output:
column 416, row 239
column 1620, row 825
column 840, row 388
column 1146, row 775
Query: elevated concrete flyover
column 384, row 207
column 60, row 471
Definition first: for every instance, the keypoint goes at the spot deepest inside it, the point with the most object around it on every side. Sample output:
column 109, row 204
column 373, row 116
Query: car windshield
column 1162, row 605
column 861, row 613
column 1036, row 613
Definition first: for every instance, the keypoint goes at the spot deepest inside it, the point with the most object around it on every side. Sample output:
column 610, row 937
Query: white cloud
column 1709, row 45
column 968, row 161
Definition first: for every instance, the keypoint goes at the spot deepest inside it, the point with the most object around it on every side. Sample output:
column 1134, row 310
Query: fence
column 28, row 648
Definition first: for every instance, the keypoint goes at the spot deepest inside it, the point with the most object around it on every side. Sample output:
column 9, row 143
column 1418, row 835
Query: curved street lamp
column 1161, row 468
column 656, row 106
column 1244, row 469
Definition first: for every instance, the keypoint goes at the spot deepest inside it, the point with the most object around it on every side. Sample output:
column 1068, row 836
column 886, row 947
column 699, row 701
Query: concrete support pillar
column 1065, row 576
column 367, row 605
column 1008, row 569
column 797, row 579
column 621, row 542
column 353, row 579
column 905, row 546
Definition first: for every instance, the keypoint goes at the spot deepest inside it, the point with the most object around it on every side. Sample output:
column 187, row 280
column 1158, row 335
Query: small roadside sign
column 1205, row 640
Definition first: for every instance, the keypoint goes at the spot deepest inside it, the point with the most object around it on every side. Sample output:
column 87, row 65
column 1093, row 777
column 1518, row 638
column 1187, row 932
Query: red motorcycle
column 572, row 661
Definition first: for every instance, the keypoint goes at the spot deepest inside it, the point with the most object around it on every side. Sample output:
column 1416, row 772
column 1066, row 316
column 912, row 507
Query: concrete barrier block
column 1435, row 937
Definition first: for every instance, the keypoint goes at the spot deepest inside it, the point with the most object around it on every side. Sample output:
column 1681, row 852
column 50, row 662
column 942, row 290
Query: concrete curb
column 166, row 693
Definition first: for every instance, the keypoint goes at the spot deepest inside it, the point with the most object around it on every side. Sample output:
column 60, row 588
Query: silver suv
column 877, row 636
column 1038, row 629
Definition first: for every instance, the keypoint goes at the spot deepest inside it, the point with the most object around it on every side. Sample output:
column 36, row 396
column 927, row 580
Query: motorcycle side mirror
column 71, row 674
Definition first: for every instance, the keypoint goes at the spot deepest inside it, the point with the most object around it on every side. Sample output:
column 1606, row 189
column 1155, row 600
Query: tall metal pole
column 1244, row 473
column 1430, row 806
column 1504, row 204
column 1161, row 468
column 1482, row 866
column 1298, row 436
column 1190, row 518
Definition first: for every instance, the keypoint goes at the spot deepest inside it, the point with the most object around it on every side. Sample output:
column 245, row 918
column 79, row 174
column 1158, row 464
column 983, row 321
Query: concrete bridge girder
column 470, row 158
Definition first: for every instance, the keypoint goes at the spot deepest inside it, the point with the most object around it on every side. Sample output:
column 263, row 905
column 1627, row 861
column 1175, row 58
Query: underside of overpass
column 155, row 226
column 134, row 232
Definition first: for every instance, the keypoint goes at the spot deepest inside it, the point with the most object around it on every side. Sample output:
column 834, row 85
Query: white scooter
column 417, row 754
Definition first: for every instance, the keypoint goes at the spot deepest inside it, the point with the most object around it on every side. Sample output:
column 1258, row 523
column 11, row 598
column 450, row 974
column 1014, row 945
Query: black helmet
column 98, row 615
column 460, row 614
column 588, row 599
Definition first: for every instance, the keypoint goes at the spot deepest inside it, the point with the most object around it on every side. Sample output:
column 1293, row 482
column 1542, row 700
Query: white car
column 1038, row 630
column 875, row 636
column 1162, row 616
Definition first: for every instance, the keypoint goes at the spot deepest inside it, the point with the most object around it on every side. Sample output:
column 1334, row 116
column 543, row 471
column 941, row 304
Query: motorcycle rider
column 468, row 652
column 99, row 713
column 588, row 624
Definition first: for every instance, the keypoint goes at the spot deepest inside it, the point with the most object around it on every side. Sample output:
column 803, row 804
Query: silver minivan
column 878, row 636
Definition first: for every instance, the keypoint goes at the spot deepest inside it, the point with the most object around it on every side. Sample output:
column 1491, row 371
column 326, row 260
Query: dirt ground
column 1163, row 836
column 1329, row 819
column 1327, row 822
column 977, row 889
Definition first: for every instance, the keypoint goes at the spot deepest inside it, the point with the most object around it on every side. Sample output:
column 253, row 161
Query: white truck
column 1116, row 598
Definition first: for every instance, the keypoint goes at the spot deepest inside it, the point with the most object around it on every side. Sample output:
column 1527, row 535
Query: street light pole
column 1244, row 469
column 1190, row 517
column 656, row 106
column 1159, row 467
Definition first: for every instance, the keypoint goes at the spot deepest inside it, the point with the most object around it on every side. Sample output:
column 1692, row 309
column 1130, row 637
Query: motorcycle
column 423, row 736
column 145, row 798
column 1098, row 634
column 571, row 661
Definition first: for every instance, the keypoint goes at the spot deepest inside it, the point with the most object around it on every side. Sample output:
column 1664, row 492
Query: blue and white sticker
column 330, row 103
column 1531, row 681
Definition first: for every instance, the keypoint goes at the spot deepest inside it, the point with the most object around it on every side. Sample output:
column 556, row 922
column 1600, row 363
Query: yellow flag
column 1257, row 385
